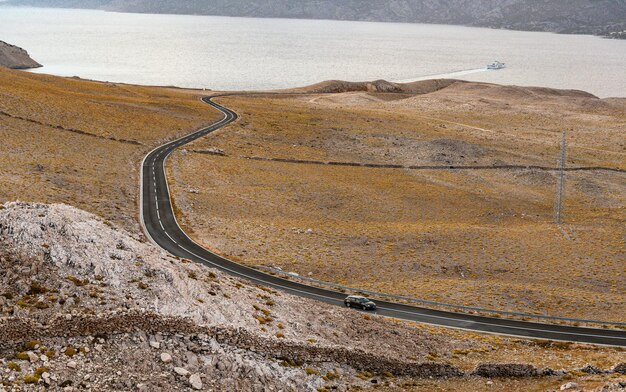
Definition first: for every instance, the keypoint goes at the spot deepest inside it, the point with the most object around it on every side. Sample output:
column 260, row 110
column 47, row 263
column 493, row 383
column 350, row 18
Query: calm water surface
column 244, row 53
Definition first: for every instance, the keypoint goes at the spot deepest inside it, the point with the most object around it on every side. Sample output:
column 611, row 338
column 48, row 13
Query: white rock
column 166, row 358
column 156, row 345
column 195, row 381
column 72, row 365
column 181, row 371
column 569, row 385
column 32, row 356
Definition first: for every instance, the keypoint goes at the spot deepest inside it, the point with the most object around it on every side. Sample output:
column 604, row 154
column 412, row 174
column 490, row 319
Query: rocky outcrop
column 574, row 16
column 16, row 58
column 66, row 274
column 496, row 370
column 620, row 368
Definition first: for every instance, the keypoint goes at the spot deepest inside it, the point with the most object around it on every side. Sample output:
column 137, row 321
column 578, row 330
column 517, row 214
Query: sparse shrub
column 31, row 379
column 142, row 285
column 280, row 335
column 365, row 375
column 41, row 370
column 22, row 303
column 32, row 344
column 37, row 288
column 77, row 282
column 280, row 326
column 192, row 275
column 23, row 356
column 330, row 376
column 263, row 320
column 14, row 367
column 311, row 340
column 41, row 305
column 310, row 371
column 291, row 363
column 70, row 351
column 432, row 356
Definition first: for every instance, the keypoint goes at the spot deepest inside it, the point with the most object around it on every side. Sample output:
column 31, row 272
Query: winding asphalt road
column 160, row 224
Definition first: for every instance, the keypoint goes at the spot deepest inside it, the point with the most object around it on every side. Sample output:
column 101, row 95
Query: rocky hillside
column 14, row 57
column 86, row 306
column 573, row 16
column 75, row 294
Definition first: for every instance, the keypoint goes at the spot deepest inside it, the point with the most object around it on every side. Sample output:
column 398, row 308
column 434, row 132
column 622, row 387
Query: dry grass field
column 475, row 237
column 81, row 143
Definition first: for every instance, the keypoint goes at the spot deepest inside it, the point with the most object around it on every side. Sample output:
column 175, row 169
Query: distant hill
column 17, row 58
column 600, row 17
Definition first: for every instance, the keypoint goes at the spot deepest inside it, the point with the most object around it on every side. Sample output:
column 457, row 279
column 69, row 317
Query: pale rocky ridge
column 69, row 279
column 84, row 305
column 14, row 57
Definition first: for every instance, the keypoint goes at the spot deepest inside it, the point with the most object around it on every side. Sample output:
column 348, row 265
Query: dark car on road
column 357, row 301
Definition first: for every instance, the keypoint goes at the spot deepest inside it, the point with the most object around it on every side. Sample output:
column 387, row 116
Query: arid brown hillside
column 447, row 196
column 81, row 143
column 85, row 305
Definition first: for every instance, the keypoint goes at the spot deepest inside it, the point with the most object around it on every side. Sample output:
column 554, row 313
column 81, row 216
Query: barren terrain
column 86, row 302
column 481, row 234
column 81, row 143
column 87, row 306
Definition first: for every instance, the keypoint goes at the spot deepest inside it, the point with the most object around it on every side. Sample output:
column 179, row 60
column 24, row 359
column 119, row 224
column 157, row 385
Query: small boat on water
column 496, row 65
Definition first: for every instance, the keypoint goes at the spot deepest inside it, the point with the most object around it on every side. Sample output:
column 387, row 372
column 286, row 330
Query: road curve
column 159, row 223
